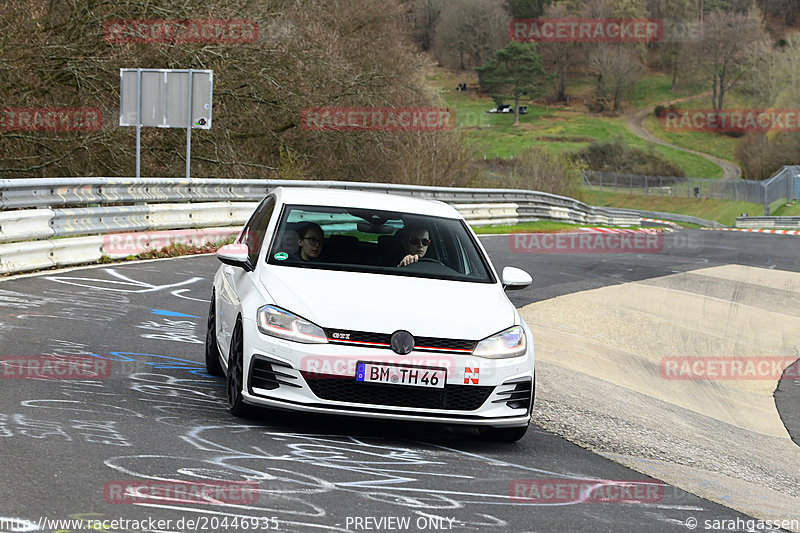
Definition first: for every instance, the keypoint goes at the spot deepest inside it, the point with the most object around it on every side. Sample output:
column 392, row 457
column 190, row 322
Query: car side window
column 253, row 233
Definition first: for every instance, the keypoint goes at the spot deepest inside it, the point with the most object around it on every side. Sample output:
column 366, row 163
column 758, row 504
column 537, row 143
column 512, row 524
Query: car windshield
column 367, row 240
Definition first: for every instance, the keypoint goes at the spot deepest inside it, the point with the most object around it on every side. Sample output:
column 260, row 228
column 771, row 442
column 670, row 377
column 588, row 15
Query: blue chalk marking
column 162, row 312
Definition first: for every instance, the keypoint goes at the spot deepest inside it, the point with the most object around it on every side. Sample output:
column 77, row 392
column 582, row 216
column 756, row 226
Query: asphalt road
column 67, row 445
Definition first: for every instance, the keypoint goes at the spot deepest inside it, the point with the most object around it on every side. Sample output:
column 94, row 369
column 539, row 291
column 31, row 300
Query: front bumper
column 320, row 378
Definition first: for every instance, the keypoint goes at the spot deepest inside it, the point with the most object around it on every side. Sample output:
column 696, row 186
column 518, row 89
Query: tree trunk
column 675, row 74
column 562, row 83
column 516, row 109
column 714, row 93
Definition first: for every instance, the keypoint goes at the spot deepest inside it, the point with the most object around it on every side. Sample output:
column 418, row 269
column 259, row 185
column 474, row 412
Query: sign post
column 165, row 98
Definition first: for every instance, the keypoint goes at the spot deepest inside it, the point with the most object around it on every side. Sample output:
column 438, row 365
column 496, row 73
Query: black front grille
column 265, row 374
column 452, row 397
column 444, row 344
column 383, row 340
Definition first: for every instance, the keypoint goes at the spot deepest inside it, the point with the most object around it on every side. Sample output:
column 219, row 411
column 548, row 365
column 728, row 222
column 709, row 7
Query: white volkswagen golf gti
column 370, row 305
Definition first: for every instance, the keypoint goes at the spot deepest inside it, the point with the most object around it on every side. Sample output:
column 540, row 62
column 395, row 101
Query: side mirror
column 515, row 278
column 236, row 254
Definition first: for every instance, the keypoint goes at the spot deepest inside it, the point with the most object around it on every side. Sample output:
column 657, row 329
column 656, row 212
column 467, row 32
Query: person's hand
column 407, row 260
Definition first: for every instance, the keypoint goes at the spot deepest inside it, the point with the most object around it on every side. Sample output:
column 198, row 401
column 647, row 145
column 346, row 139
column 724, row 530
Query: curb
column 662, row 222
column 773, row 231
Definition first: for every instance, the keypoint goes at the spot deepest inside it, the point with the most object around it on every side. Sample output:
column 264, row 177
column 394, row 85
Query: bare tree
column 469, row 32
column 719, row 55
column 561, row 57
column 786, row 9
column 681, row 23
column 617, row 68
column 521, row 9
column 353, row 53
column 425, row 14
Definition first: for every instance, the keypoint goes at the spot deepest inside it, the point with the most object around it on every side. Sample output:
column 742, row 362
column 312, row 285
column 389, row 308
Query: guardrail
column 65, row 221
column 768, row 222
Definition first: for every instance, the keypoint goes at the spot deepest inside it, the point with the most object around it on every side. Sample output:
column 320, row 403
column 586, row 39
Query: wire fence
column 783, row 185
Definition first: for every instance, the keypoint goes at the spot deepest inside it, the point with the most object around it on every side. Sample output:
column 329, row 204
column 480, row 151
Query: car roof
column 361, row 199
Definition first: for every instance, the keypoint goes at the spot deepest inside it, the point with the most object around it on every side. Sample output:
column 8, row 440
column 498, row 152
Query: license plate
column 430, row 377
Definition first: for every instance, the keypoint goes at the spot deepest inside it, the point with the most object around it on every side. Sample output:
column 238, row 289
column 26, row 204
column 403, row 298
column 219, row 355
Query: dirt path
column 636, row 125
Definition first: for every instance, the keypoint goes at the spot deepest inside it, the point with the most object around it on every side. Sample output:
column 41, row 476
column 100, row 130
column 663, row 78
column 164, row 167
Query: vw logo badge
column 402, row 342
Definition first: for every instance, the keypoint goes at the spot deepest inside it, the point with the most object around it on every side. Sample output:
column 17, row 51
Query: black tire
column 213, row 366
column 502, row 434
column 235, row 380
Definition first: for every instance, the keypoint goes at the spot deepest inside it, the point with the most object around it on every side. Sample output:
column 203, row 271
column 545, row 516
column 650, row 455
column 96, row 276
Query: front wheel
column 213, row 366
column 235, row 381
column 502, row 434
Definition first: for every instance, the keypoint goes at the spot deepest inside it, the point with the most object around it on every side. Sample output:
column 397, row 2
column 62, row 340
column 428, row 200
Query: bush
column 615, row 156
column 761, row 156
column 535, row 169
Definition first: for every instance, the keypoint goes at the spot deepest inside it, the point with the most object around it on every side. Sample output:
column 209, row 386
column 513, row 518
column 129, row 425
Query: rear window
column 365, row 240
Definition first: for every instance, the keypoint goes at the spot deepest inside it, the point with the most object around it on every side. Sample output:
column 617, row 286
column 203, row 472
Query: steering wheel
column 429, row 259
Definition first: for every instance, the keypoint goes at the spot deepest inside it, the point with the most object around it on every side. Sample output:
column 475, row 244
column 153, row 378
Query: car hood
column 385, row 303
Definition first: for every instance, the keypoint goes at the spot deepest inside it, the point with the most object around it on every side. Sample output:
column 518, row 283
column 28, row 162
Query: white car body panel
column 381, row 303
column 376, row 303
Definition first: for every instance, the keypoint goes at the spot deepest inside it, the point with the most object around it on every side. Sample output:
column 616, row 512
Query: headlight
column 508, row 343
column 283, row 324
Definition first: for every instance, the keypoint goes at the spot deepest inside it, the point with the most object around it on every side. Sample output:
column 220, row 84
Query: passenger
column 310, row 242
column 415, row 241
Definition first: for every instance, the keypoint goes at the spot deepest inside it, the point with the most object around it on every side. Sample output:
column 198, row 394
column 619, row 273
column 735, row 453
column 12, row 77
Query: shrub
column 761, row 155
column 535, row 169
column 615, row 156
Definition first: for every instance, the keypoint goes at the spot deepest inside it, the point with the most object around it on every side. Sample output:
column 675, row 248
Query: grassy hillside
column 559, row 128
column 715, row 144
column 723, row 211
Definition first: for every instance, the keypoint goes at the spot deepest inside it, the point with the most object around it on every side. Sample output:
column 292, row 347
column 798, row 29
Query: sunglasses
column 416, row 241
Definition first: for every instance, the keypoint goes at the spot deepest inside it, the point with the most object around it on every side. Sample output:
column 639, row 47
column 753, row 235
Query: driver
column 310, row 241
column 415, row 242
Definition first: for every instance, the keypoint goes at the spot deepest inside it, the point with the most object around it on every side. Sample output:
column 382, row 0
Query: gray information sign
column 165, row 98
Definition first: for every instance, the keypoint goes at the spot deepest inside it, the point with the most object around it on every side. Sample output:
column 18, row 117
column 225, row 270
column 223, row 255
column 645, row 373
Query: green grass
column 559, row 129
column 716, row 144
column 543, row 226
column 652, row 90
column 788, row 210
column 722, row 211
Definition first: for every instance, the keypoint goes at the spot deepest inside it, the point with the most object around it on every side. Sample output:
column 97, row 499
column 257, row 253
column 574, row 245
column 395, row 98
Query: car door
column 236, row 281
